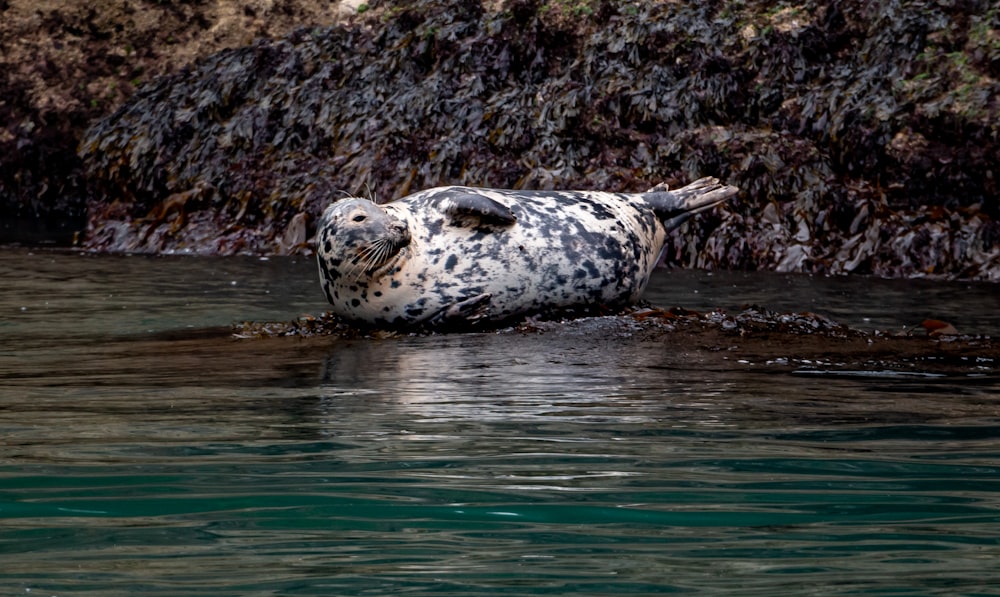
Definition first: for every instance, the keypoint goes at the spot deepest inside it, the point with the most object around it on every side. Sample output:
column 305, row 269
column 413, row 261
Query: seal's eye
column 359, row 218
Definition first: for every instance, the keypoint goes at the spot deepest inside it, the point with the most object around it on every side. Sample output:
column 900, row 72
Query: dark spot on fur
column 377, row 293
column 355, row 303
column 601, row 212
column 434, row 227
column 395, row 284
column 610, row 250
column 329, row 274
column 451, row 263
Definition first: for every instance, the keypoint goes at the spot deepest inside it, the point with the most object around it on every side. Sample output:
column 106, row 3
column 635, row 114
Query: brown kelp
column 864, row 135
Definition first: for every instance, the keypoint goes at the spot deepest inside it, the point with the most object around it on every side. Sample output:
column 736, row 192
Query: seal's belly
column 561, row 252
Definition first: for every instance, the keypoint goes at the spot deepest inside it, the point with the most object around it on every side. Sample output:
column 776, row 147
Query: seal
column 461, row 256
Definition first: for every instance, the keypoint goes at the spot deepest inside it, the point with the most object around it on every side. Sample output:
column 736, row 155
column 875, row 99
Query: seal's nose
column 401, row 229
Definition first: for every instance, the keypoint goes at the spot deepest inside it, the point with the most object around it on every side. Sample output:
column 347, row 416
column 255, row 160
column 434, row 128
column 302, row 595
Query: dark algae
column 65, row 64
column 863, row 135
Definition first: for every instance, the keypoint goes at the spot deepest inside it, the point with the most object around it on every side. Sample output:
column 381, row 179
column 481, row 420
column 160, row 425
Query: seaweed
column 864, row 136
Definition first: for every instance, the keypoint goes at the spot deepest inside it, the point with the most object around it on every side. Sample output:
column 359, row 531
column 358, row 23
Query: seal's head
column 359, row 239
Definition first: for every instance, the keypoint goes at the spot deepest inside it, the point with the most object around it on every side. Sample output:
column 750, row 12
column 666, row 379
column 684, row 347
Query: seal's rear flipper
column 674, row 207
column 464, row 313
column 472, row 204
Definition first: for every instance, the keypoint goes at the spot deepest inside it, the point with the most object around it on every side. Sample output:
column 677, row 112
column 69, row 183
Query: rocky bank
column 864, row 135
column 66, row 63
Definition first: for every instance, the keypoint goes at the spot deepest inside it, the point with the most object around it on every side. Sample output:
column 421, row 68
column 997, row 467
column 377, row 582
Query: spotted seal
column 459, row 256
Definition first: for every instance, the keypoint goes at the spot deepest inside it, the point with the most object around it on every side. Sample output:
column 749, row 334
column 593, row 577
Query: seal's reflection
column 585, row 375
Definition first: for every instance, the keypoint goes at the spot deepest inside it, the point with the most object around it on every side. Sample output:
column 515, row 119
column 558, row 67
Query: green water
column 145, row 452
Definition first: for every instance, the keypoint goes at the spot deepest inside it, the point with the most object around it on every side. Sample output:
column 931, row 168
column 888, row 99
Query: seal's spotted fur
column 459, row 255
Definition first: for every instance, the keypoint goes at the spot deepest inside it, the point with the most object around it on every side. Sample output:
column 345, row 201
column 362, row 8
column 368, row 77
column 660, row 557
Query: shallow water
column 143, row 451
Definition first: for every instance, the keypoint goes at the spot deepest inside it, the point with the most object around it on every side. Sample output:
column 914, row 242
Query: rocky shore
column 864, row 135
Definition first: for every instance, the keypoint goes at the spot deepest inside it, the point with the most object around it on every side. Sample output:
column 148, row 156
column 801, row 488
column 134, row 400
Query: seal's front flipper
column 464, row 313
column 674, row 207
column 470, row 204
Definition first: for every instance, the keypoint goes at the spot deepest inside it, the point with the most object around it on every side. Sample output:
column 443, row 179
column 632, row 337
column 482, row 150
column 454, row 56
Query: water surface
column 144, row 451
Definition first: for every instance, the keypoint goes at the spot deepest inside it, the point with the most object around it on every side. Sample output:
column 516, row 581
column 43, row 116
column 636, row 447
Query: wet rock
column 864, row 135
column 752, row 339
column 65, row 64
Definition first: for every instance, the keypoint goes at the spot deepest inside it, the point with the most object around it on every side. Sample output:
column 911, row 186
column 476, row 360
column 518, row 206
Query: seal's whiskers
column 371, row 257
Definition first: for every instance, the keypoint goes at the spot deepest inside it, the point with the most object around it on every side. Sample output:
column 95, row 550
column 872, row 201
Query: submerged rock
column 753, row 339
column 864, row 135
